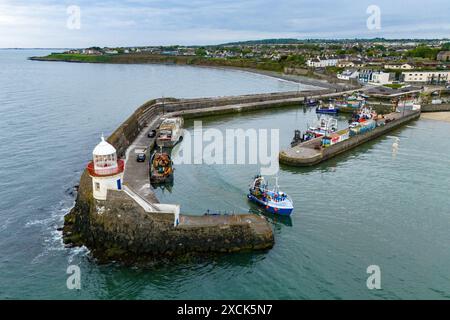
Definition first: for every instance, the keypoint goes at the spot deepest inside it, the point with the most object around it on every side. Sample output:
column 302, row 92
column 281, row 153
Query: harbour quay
column 313, row 152
column 118, row 216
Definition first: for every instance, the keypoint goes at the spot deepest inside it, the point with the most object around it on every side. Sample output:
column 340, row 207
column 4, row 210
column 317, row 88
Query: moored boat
column 161, row 168
column 324, row 126
column 363, row 114
column 170, row 132
column 312, row 102
column 273, row 201
column 331, row 108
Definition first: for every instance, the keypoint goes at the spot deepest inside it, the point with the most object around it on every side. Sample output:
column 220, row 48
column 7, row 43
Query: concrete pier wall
column 189, row 104
column 436, row 107
column 127, row 132
column 310, row 153
column 354, row 141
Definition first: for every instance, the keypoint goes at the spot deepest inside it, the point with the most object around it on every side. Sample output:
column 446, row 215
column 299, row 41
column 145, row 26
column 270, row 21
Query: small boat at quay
column 331, row 108
column 351, row 102
column 363, row 114
column 170, row 132
column 312, row 102
column 273, row 201
column 161, row 168
column 323, row 127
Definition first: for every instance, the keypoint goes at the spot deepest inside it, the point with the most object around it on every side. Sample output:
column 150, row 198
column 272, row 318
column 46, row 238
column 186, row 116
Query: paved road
column 136, row 174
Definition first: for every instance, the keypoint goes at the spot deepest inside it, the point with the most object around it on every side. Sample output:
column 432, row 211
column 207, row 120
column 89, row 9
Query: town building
column 322, row 62
column 426, row 77
column 350, row 64
column 365, row 75
column 91, row 51
column 443, row 56
column 348, row 74
column 399, row 66
column 381, row 78
column 111, row 51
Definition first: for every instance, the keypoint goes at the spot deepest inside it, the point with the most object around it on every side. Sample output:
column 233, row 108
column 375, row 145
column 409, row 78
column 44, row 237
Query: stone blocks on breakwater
column 436, row 107
column 311, row 153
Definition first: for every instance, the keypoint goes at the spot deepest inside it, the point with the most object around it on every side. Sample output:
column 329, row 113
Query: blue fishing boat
column 273, row 201
column 329, row 109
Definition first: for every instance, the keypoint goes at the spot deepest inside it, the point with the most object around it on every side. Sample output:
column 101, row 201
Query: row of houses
column 323, row 62
column 369, row 76
column 93, row 51
column 345, row 62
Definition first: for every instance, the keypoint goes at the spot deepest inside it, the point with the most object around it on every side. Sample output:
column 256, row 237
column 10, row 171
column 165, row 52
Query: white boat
column 324, row 126
column 170, row 132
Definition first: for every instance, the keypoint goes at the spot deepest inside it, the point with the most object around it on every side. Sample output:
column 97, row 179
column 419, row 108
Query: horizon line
column 230, row 42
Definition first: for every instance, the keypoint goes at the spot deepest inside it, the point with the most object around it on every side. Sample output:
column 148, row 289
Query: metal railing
column 107, row 171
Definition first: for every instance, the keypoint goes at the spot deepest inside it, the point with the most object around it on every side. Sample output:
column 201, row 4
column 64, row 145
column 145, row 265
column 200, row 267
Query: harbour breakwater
column 121, row 228
column 311, row 152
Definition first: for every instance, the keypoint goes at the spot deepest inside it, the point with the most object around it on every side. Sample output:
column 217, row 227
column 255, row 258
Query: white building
column 109, row 51
column 350, row 64
column 348, row 75
column 105, row 170
column 395, row 66
column 381, row 78
column 427, row 77
column 322, row 62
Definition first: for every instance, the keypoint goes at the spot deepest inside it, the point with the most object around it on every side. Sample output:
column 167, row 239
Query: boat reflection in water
column 272, row 218
column 163, row 187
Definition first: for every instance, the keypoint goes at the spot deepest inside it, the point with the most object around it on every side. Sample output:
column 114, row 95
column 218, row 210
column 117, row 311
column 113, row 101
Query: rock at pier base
column 118, row 229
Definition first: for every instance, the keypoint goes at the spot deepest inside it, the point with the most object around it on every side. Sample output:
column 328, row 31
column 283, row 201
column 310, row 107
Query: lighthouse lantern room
column 105, row 170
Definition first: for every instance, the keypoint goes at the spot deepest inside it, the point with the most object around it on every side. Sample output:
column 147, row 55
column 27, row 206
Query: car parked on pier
column 140, row 157
column 151, row 134
column 141, row 154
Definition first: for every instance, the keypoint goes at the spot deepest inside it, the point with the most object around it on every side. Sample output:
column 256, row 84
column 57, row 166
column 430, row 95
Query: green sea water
column 373, row 205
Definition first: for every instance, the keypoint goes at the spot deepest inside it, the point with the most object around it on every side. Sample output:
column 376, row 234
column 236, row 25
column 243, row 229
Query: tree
column 200, row 52
column 296, row 59
column 423, row 51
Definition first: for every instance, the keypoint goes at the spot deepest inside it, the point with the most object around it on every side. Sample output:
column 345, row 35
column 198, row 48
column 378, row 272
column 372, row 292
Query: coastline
column 279, row 75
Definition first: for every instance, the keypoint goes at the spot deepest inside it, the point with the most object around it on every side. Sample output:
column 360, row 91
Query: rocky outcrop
column 119, row 229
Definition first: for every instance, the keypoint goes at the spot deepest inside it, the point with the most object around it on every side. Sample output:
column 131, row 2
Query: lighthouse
column 105, row 170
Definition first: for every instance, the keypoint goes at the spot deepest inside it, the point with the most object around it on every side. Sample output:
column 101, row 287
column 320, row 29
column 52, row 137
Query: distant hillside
column 264, row 41
column 281, row 41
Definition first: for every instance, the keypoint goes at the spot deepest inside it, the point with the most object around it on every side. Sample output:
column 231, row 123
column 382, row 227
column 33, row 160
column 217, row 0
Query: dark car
column 140, row 157
column 152, row 134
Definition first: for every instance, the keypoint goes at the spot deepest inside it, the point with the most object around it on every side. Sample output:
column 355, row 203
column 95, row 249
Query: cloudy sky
column 44, row 23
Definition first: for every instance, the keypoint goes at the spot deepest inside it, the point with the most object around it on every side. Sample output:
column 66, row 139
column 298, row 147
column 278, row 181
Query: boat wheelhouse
column 170, row 132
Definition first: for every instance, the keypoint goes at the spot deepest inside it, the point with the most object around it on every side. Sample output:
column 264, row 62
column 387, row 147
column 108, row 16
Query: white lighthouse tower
column 105, row 170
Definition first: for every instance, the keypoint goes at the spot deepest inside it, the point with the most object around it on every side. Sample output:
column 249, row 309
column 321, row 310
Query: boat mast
column 277, row 188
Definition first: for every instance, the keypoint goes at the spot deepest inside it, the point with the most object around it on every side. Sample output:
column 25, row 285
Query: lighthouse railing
column 107, row 171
